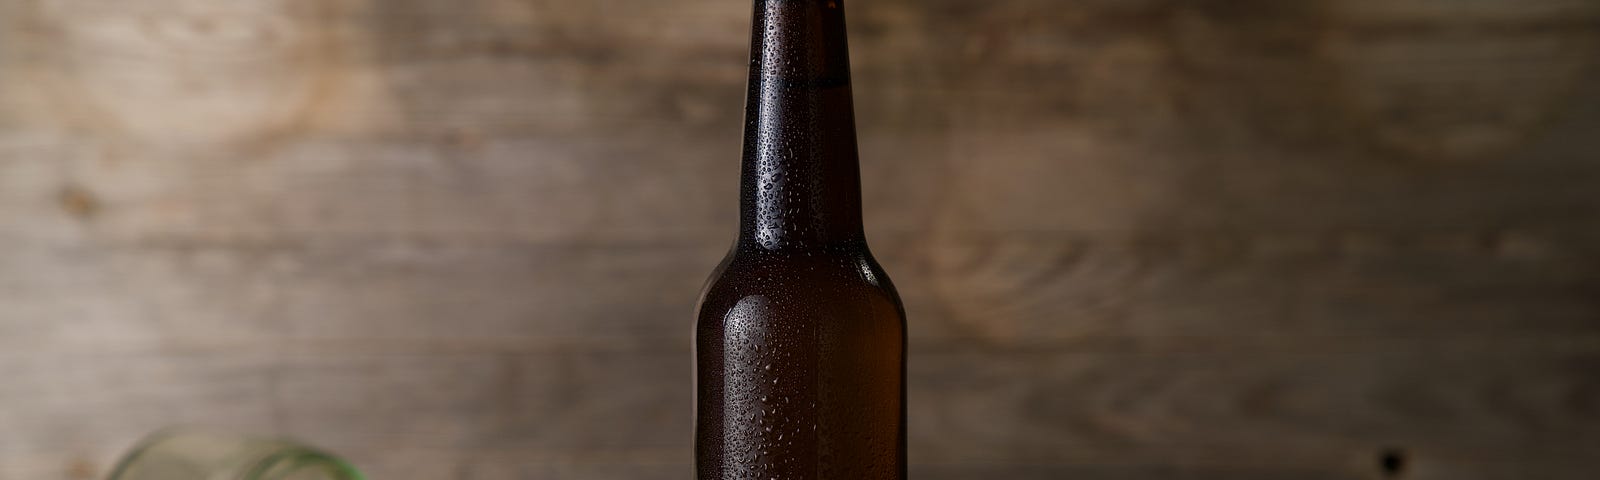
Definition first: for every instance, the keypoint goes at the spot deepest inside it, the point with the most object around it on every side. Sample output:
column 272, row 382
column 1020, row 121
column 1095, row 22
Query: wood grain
column 1136, row 239
column 1105, row 414
column 1239, row 409
column 1196, row 293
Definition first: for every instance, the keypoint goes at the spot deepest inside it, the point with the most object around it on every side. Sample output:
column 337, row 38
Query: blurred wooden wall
column 1138, row 239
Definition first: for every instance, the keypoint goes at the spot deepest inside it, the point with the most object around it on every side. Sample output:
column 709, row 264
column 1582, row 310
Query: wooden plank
column 1323, row 415
column 516, row 190
column 561, row 403
column 1531, row 466
column 1059, row 178
column 1128, row 472
column 1370, row 469
column 1204, row 291
column 421, row 465
column 509, row 466
column 538, row 190
column 76, row 464
column 680, row 68
column 491, row 464
column 34, row 185
column 412, row 464
column 541, row 190
column 84, row 299
column 514, row 299
column 1354, row 293
column 1275, row 116
column 70, row 415
column 1311, row 411
column 409, row 464
column 166, row 74
column 382, row 297
column 1145, row 89
column 481, row 67
column 543, row 66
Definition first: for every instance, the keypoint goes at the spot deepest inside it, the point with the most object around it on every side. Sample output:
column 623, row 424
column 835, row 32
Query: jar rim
column 276, row 457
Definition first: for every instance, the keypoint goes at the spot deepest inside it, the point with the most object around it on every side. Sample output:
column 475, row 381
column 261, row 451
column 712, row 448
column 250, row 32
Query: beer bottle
column 800, row 337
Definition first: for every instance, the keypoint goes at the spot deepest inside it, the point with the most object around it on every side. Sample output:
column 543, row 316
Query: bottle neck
column 800, row 180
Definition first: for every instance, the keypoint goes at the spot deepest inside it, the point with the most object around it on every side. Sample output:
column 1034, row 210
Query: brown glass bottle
column 800, row 338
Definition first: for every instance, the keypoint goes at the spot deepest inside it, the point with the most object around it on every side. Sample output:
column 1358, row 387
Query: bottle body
column 800, row 365
column 800, row 337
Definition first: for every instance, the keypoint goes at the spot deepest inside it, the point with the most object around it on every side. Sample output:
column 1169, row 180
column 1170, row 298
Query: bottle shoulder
column 752, row 268
column 837, row 278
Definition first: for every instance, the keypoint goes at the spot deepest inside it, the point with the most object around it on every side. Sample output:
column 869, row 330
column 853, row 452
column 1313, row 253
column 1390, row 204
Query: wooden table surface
column 1139, row 239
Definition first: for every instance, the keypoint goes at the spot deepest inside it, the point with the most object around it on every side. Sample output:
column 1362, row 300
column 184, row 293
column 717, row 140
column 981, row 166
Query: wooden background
column 1138, row 239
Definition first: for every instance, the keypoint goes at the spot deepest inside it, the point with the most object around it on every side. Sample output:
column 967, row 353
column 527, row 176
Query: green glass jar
column 194, row 455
